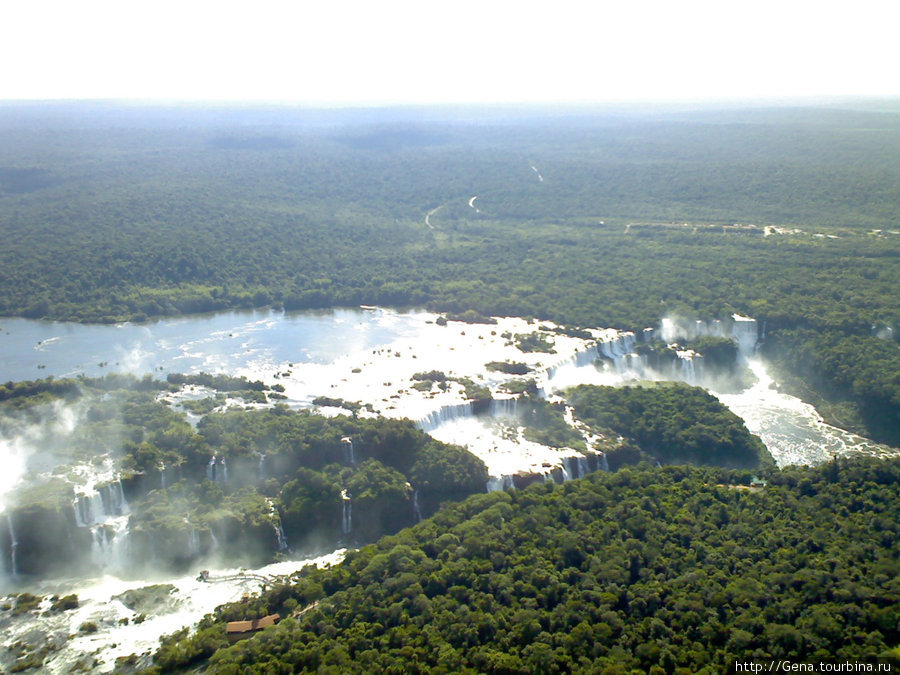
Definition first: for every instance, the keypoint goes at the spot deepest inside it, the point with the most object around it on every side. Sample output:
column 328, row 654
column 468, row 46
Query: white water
column 368, row 356
column 793, row 431
column 13, row 546
column 192, row 599
column 105, row 512
column 346, row 513
column 349, row 457
column 417, row 512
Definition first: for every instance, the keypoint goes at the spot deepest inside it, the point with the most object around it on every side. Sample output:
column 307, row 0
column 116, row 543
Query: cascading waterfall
column 162, row 475
column 281, row 537
column 417, row 513
column 262, row 466
column 349, row 458
column 500, row 483
column 687, row 360
column 98, row 506
column 746, row 332
column 13, row 546
column 105, row 512
column 504, row 407
column 275, row 519
column 347, row 513
column 217, row 470
column 742, row 329
column 584, row 467
column 445, row 414
column 582, row 357
column 569, row 468
column 619, row 351
column 214, row 540
column 615, row 357
column 193, row 545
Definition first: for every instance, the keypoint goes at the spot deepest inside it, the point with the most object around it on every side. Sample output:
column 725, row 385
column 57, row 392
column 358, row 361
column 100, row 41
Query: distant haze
column 345, row 52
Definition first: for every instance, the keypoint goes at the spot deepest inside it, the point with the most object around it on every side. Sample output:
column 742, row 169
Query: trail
column 300, row 612
column 431, row 213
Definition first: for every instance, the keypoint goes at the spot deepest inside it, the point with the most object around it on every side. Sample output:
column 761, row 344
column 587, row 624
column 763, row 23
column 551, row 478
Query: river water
column 368, row 355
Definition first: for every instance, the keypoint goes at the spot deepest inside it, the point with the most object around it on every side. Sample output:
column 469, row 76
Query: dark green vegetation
column 473, row 391
column 718, row 352
column 509, row 367
column 534, row 342
column 855, row 378
column 111, row 213
column 544, row 423
column 674, row 570
column 673, row 424
column 275, row 471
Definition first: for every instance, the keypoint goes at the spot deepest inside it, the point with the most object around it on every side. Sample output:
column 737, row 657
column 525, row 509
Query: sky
column 385, row 52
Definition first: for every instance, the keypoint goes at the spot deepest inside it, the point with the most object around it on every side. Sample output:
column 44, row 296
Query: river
column 368, row 355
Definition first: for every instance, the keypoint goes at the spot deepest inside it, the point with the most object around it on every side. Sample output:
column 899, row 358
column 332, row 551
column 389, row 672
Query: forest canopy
column 672, row 570
column 595, row 220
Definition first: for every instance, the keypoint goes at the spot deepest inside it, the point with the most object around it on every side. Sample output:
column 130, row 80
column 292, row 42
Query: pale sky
column 345, row 52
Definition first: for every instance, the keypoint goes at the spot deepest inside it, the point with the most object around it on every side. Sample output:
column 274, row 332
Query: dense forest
column 591, row 218
column 670, row 570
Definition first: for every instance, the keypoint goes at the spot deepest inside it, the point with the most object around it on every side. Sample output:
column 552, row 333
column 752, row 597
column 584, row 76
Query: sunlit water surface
column 366, row 355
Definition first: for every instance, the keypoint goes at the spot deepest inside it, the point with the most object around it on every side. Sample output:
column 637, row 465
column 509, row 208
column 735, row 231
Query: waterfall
column 105, row 511
column 686, row 366
column 746, row 332
column 262, row 467
column 192, row 548
column 86, row 512
column 619, row 351
column 504, row 407
column 280, row 536
column 275, row 519
column 604, row 463
column 742, row 329
column 349, row 458
column 582, row 357
column 98, row 506
column 417, row 513
column 162, row 475
column 116, row 498
column 347, row 513
column 215, row 541
column 211, row 469
column 444, row 414
column 224, row 466
column 584, row 467
column 13, row 545
column 500, row 483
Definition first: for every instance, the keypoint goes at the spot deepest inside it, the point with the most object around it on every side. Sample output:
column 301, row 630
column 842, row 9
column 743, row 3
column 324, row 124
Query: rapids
column 368, row 356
